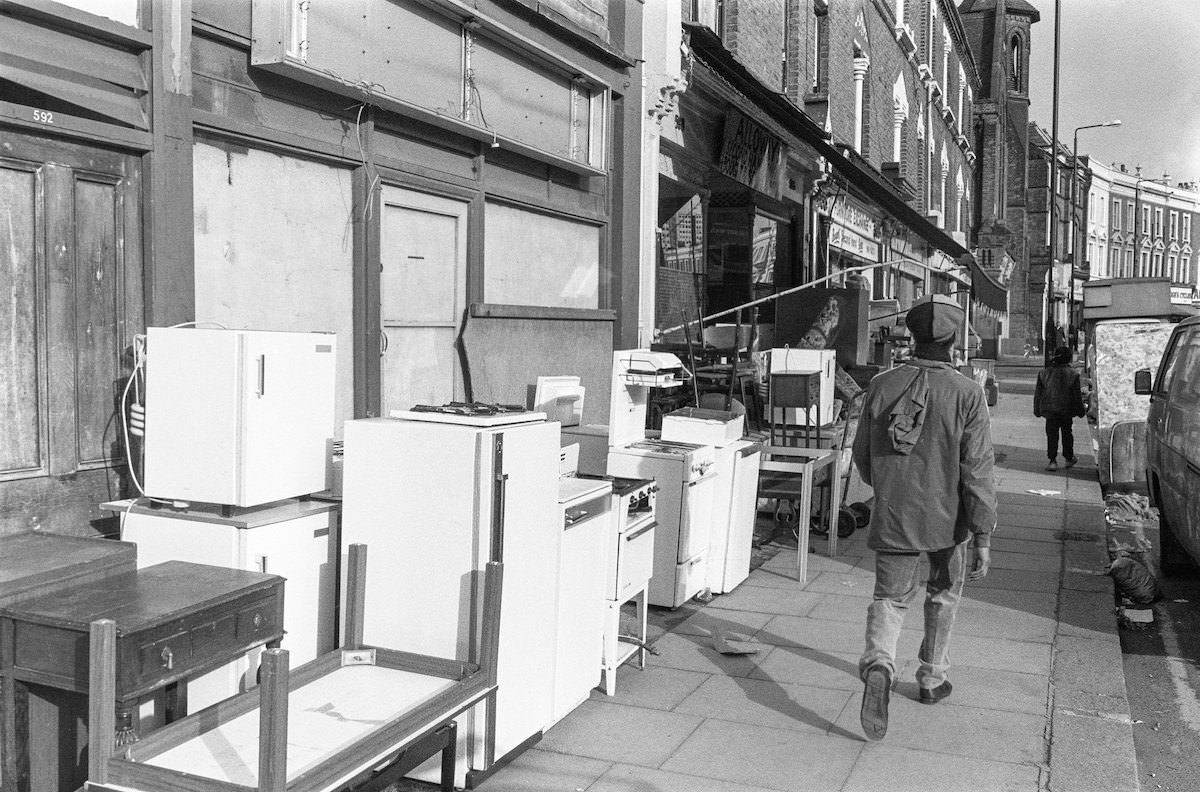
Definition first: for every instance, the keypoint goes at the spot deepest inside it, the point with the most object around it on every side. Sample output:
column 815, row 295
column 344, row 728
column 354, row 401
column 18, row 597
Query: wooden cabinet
column 174, row 620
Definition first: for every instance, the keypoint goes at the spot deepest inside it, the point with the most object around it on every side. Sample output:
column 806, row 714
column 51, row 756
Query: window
column 1016, row 56
column 1187, row 228
column 1114, row 265
column 1144, row 264
column 535, row 258
column 1146, row 220
column 1129, row 224
column 1173, row 268
column 1158, row 223
column 1116, row 215
column 820, row 43
column 681, row 239
column 1127, row 272
column 1156, row 270
column 1174, row 225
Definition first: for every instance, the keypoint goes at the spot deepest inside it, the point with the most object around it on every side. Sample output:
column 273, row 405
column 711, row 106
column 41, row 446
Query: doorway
column 423, row 286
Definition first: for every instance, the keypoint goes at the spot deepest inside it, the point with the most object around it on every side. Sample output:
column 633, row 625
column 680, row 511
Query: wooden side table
column 173, row 620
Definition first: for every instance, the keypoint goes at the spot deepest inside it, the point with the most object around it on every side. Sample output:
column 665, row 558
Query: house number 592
column 43, row 116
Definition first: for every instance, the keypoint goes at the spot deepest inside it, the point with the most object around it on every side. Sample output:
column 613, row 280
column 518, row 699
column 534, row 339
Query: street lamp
column 1075, row 247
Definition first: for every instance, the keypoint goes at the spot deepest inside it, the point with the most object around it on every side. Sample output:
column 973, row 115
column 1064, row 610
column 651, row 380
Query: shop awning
column 847, row 162
column 985, row 291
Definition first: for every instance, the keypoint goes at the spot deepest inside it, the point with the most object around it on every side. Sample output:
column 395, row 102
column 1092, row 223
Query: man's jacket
column 1057, row 392
column 924, row 444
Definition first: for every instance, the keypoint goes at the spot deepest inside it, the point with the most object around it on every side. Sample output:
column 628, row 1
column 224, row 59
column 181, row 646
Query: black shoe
column 876, row 693
column 934, row 695
column 1071, row 461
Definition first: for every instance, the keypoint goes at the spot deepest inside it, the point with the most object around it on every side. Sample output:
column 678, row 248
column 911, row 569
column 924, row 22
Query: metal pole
column 1053, row 220
column 1074, row 238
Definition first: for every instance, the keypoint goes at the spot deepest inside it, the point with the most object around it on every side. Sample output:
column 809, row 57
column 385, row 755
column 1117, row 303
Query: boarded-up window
column 532, row 258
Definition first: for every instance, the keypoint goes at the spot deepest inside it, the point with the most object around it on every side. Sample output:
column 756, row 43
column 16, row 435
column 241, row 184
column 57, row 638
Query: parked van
column 1173, row 445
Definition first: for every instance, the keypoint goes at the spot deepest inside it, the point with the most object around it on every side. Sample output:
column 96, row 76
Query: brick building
column 999, row 32
column 811, row 138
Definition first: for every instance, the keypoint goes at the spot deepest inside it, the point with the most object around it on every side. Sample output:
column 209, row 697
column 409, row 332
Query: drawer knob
column 258, row 620
column 168, row 658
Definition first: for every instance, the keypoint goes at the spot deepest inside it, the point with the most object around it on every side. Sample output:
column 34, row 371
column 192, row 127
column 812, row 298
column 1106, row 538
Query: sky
column 1133, row 60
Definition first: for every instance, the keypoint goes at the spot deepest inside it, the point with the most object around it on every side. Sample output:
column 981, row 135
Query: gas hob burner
column 468, row 408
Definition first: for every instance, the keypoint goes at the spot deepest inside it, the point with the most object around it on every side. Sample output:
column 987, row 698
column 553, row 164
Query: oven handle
column 631, row 536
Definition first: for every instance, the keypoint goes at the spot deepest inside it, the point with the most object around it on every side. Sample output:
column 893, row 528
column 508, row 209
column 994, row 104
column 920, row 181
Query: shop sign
column 1181, row 295
column 745, row 147
column 853, row 229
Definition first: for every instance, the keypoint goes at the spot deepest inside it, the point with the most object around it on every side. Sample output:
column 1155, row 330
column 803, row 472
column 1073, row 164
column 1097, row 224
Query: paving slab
column 538, row 770
column 766, row 702
column 620, row 733
column 895, row 769
column 655, row 687
column 631, row 778
column 780, row 759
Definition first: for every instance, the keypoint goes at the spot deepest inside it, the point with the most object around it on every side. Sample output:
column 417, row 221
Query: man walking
column 1057, row 398
column 925, row 446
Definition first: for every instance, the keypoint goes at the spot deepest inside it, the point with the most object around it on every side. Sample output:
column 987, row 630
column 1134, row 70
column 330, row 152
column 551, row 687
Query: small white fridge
column 237, row 417
column 434, row 501
column 734, row 512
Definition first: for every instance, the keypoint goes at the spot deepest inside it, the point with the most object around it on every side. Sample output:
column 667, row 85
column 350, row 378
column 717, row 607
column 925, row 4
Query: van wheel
column 1173, row 560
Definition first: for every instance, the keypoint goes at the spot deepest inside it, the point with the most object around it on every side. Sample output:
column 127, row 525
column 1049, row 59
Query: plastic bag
column 1134, row 581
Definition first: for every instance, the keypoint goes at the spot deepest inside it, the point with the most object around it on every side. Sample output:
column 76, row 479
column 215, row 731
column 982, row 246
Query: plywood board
column 506, row 355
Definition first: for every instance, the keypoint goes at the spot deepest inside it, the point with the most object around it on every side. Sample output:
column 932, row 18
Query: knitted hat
column 934, row 319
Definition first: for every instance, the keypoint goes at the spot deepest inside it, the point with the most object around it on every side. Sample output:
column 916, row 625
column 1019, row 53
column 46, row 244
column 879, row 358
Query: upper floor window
column 1174, row 233
column 1145, row 219
column 1016, row 64
column 1187, row 228
column 1158, row 223
column 820, row 46
column 1116, row 214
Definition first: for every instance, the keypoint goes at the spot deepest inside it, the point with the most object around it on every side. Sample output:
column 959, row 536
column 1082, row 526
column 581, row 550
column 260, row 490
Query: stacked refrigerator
column 434, row 502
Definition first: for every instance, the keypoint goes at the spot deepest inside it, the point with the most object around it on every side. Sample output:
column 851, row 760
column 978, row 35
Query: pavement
column 1039, row 701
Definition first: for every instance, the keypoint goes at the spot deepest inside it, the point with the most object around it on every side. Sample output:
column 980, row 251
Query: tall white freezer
column 237, row 417
column 434, row 502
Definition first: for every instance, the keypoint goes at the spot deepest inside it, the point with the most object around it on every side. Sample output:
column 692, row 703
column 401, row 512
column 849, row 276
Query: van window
column 1183, row 395
column 1166, row 369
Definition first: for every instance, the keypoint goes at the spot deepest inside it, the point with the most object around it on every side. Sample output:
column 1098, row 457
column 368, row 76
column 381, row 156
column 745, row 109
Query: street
column 1160, row 659
column 1163, row 681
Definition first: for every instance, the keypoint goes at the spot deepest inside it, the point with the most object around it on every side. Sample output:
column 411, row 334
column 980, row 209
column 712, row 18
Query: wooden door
column 70, row 229
column 423, row 253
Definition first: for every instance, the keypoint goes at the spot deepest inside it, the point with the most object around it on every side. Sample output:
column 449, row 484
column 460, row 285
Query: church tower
column 999, row 34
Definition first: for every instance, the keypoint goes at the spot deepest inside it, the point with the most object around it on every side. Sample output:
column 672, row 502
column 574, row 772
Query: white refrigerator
column 434, row 502
column 734, row 512
column 237, row 417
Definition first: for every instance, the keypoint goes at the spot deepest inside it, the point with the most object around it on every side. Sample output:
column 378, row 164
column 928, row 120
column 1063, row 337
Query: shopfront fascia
column 736, row 180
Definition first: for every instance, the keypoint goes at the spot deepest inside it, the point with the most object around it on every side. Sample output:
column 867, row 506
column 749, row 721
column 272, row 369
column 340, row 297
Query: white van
column 1173, row 446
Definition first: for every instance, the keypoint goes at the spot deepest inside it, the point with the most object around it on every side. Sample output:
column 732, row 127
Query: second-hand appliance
column 684, row 472
column 435, row 496
column 237, row 417
column 630, row 567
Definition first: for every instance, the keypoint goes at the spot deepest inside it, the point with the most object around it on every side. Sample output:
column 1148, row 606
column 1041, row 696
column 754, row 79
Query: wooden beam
column 356, row 574
column 272, row 722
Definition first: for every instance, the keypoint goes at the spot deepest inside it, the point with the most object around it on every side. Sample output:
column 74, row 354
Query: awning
column 847, row 162
column 985, row 292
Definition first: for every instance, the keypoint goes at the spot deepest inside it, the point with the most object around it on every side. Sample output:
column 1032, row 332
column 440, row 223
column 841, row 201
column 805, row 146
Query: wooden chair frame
column 373, row 761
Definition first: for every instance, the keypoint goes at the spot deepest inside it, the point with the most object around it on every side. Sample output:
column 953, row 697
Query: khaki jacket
column 925, row 445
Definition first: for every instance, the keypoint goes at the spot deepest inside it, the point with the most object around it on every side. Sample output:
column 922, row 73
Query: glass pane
column 419, row 257
column 764, row 251
column 19, row 437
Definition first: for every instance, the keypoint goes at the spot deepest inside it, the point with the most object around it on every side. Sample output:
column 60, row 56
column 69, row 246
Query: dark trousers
column 1059, row 424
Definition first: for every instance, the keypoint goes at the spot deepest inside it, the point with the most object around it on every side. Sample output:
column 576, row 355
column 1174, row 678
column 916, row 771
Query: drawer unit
column 174, row 620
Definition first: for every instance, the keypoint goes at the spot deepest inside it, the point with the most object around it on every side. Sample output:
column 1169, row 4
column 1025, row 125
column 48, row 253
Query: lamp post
column 1048, row 330
column 1075, row 247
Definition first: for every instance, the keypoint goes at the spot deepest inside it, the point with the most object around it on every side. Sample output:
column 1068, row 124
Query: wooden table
column 788, row 472
column 173, row 620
